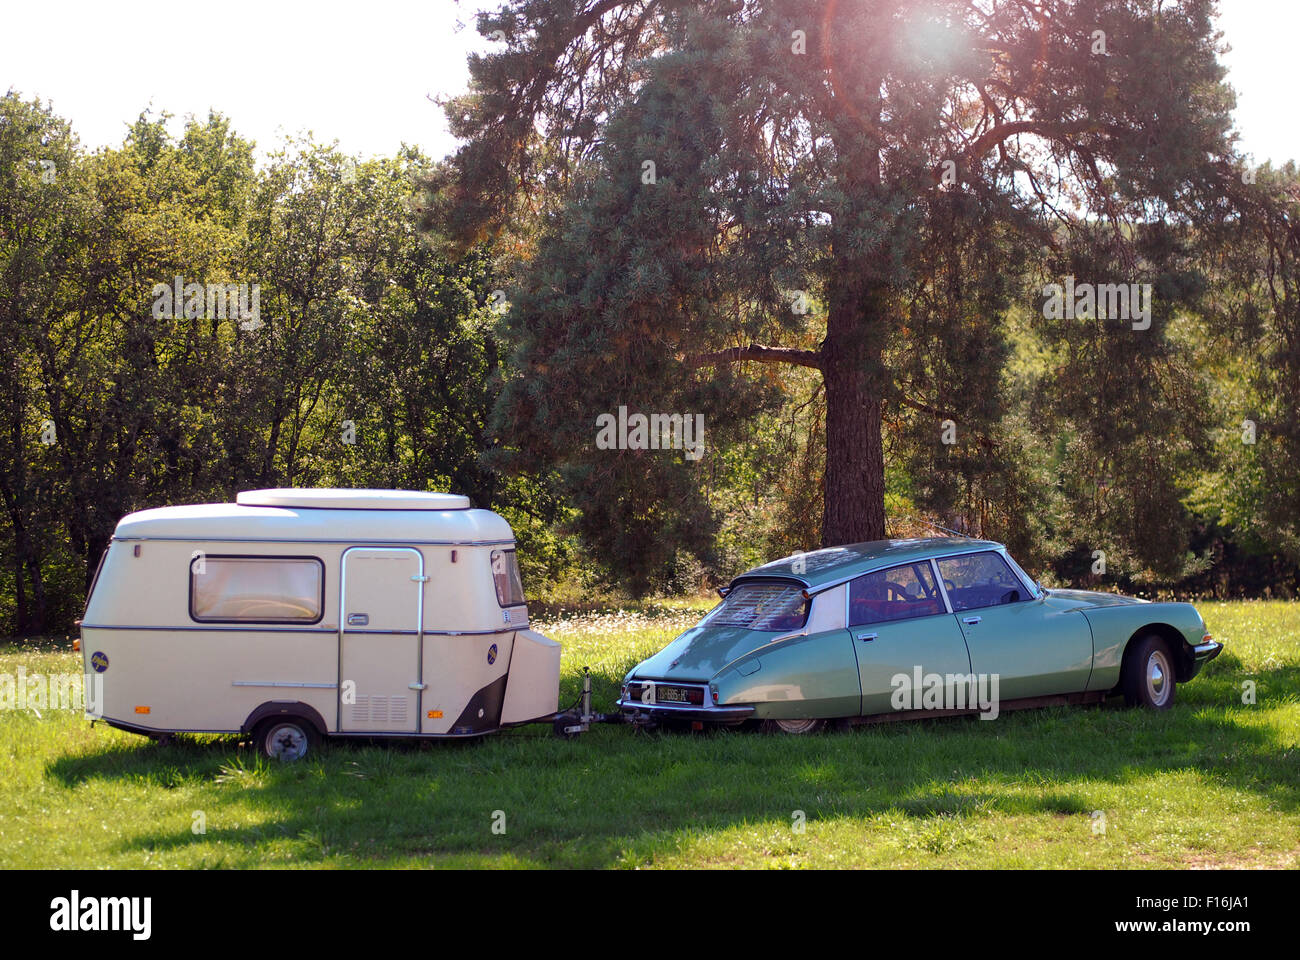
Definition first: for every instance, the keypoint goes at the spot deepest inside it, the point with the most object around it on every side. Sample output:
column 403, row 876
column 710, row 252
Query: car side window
column 980, row 580
column 899, row 593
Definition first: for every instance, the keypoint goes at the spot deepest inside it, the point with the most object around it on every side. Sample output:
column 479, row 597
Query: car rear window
column 762, row 606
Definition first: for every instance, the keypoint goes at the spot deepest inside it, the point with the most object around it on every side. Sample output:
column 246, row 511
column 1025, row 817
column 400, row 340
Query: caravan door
column 380, row 627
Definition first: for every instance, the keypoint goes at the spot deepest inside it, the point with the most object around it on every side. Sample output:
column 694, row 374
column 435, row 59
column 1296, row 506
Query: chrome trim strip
column 268, row 628
column 934, row 572
column 330, row 631
column 1024, row 578
column 273, row 683
column 885, row 565
column 938, row 579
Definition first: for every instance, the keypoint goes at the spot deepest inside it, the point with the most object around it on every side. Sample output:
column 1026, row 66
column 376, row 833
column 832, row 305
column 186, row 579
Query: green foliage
column 358, row 320
column 920, row 173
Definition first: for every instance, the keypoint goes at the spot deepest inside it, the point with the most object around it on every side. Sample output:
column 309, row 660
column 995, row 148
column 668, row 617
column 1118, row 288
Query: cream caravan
column 293, row 615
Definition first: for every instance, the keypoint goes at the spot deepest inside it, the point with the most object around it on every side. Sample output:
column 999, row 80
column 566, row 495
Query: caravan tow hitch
column 576, row 720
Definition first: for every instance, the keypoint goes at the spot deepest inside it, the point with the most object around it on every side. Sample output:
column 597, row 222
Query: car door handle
column 971, row 620
column 864, row 637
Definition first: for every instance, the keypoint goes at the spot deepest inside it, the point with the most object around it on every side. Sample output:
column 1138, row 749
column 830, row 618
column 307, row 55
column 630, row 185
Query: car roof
column 822, row 568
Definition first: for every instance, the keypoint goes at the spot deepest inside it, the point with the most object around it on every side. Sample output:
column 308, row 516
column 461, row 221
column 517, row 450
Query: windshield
column 762, row 606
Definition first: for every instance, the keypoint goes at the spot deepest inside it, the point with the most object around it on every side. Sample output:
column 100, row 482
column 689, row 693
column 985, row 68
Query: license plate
column 677, row 695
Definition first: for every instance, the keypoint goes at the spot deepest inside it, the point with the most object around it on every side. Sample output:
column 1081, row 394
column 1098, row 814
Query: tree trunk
column 855, row 458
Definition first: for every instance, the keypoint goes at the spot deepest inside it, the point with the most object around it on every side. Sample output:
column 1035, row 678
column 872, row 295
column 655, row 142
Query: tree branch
column 759, row 353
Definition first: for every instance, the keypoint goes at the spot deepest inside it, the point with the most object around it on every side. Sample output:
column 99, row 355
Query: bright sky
column 361, row 72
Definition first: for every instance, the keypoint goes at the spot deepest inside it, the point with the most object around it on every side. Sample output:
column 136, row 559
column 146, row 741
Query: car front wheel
column 1149, row 676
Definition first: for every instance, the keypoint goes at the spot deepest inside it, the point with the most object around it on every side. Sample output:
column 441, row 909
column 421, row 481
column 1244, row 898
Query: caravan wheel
column 285, row 738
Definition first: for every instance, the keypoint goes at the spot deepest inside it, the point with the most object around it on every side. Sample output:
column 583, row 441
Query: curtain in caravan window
column 256, row 589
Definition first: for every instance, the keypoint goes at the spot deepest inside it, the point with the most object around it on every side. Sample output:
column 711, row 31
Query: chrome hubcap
column 797, row 726
column 286, row 742
column 1158, row 684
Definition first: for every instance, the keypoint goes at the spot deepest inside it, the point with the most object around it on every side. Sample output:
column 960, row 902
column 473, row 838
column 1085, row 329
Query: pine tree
column 904, row 167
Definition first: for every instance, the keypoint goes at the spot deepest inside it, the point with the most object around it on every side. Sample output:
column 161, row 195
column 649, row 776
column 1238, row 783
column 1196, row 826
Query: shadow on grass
column 587, row 803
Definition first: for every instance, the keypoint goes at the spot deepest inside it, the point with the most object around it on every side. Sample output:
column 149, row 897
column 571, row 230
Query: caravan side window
column 257, row 589
column 505, row 573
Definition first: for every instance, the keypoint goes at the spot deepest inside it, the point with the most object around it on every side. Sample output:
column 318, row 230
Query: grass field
column 1211, row 783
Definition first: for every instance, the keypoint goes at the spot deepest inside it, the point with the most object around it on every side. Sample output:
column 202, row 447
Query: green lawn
column 1212, row 782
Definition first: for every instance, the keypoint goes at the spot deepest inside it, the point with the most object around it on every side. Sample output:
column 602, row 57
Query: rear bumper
column 635, row 710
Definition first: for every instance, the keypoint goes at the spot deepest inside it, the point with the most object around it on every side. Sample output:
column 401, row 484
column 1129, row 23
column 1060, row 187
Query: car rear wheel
column 285, row 739
column 793, row 727
column 1149, row 675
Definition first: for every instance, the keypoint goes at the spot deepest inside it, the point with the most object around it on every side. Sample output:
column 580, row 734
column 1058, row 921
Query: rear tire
column 796, row 728
column 1149, row 674
column 287, row 739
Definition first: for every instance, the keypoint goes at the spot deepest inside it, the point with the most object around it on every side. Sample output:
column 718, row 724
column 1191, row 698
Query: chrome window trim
column 1000, row 552
column 1034, row 592
column 830, row 584
column 934, row 572
column 943, row 591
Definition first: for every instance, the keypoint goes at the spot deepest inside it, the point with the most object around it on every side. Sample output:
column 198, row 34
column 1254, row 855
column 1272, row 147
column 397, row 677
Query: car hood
column 1089, row 598
column 699, row 653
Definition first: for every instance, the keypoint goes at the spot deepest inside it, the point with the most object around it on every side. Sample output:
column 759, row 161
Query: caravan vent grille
column 377, row 709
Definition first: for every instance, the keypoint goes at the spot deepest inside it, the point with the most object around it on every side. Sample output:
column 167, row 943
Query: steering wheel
column 949, row 585
column 897, row 591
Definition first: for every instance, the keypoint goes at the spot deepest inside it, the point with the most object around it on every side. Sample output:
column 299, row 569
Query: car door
column 1034, row 649
column 902, row 630
column 379, row 639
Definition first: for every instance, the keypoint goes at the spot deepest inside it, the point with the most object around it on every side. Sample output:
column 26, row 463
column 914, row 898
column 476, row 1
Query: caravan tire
column 286, row 738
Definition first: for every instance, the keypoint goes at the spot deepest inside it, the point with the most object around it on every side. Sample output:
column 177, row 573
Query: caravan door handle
column 417, row 686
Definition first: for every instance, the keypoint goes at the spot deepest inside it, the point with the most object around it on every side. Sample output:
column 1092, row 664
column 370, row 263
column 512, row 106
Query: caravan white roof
column 339, row 499
column 332, row 516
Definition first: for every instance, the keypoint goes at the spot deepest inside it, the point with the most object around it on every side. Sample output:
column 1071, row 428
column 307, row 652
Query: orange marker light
column 141, row 709
column 76, row 645
column 435, row 714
